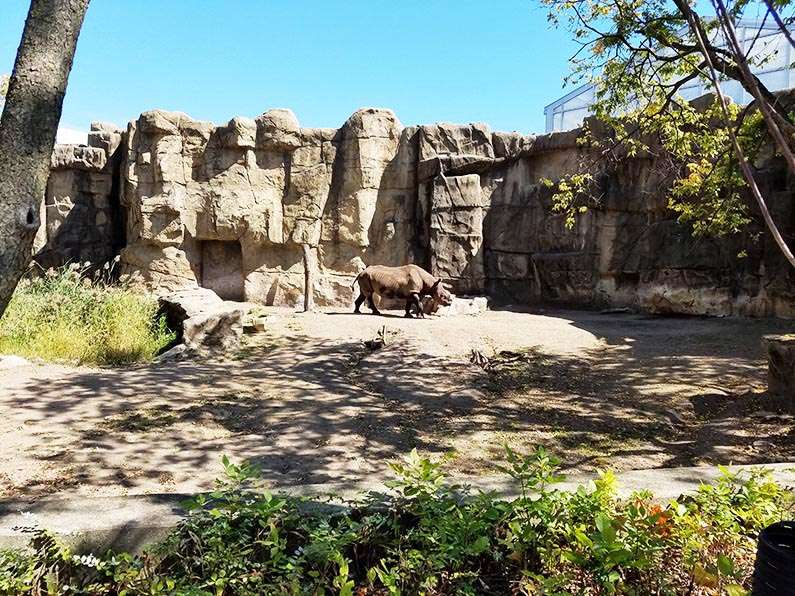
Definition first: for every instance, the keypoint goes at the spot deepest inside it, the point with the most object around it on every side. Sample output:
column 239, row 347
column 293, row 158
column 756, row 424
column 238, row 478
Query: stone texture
column 456, row 230
column 780, row 351
column 184, row 304
column 460, row 200
column 220, row 327
column 80, row 213
column 202, row 320
column 78, row 157
column 270, row 186
column 278, row 129
column 461, row 306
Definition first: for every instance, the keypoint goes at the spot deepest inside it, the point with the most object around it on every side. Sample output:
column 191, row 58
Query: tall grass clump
column 66, row 314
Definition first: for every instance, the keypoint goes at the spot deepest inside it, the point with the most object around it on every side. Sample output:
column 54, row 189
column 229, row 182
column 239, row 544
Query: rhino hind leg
column 358, row 302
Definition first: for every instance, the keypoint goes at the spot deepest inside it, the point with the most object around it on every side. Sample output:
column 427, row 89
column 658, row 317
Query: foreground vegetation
column 430, row 538
column 66, row 314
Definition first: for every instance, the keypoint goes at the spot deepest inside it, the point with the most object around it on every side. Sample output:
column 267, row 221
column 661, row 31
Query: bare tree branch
column 779, row 22
column 744, row 166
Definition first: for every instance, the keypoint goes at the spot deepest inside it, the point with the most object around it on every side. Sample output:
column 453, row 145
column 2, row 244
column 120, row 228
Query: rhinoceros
column 409, row 282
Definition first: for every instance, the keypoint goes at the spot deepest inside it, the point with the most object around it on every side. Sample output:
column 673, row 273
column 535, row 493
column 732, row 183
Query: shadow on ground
column 316, row 406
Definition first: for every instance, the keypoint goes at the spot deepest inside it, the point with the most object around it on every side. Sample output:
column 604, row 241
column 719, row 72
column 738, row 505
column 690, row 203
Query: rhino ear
column 436, row 285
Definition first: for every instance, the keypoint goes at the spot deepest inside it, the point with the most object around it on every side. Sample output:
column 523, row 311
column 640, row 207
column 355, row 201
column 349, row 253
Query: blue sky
column 431, row 60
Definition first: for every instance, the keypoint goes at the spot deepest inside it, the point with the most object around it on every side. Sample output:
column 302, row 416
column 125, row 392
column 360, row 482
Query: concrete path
column 133, row 522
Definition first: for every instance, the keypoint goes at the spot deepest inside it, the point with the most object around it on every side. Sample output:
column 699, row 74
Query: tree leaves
column 639, row 56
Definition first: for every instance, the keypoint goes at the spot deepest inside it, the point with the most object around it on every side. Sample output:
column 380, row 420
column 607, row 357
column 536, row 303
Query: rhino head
column 440, row 296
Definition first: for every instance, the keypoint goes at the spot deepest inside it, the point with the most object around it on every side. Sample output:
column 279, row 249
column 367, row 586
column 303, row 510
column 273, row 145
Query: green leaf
column 189, row 504
column 480, row 545
column 573, row 557
column 735, row 590
column 725, row 565
column 620, row 556
column 602, row 522
column 605, row 526
column 582, row 538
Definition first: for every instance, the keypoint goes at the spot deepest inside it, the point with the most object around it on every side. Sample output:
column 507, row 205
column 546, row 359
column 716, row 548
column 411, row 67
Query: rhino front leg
column 409, row 304
column 415, row 299
column 372, row 305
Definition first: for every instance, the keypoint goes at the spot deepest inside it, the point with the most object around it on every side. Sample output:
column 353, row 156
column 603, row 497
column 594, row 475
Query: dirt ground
column 310, row 403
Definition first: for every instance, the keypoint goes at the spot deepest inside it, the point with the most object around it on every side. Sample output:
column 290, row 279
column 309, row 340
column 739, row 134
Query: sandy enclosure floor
column 309, row 403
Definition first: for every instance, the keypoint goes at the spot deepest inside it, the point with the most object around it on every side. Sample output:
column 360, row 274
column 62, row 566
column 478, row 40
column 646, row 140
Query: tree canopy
column 638, row 55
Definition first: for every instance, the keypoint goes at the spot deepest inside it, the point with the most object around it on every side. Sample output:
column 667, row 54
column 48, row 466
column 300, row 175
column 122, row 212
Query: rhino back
column 394, row 281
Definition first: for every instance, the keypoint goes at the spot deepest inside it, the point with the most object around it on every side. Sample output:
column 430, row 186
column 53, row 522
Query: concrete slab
column 133, row 522
column 93, row 524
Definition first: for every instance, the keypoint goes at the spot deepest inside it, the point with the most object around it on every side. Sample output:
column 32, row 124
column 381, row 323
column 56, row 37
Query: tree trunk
column 309, row 277
column 28, row 127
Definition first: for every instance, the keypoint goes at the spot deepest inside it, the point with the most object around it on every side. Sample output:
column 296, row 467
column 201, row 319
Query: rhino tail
column 355, row 279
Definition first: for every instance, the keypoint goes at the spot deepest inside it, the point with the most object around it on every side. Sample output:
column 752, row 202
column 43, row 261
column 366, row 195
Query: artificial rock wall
column 81, row 216
column 228, row 207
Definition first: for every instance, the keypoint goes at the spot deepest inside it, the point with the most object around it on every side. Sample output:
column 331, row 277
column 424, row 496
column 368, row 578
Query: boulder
column 510, row 144
column 159, row 122
column 461, row 306
column 456, row 231
column 255, row 320
column 370, row 141
column 78, row 217
column 77, row 157
column 780, row 350
column 219, row 327
column 183, row 304
column 202, row 320
column 105, row 136
column 445, row 138
column 163, row 269
column 239, row 132
column 278, row 129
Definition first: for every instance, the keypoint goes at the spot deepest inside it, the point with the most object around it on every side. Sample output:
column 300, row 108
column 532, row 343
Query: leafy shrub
column 428, row 537
column 68, row 315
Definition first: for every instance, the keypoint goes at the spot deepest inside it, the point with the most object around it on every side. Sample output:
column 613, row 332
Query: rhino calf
column 408, row 282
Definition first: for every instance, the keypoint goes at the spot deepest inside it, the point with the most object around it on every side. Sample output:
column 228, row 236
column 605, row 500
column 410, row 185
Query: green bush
column 427, row 537
column 67, row 315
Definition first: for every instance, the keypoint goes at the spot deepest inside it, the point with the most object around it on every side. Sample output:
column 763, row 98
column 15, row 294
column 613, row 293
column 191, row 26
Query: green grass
column 66, row 315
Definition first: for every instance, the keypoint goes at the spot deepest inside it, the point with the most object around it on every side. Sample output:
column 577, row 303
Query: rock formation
column 202, row 320
column 229, row 208
column 780, row 351
column 81, row 218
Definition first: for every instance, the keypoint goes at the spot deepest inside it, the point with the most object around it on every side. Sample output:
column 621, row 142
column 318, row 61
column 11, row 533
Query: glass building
column 764, row 41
